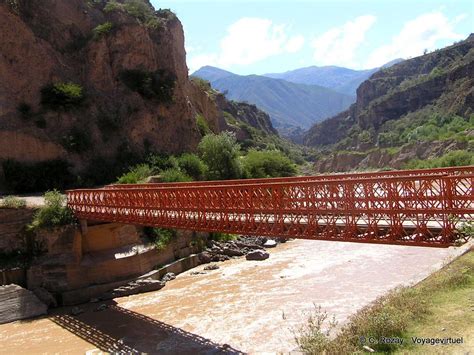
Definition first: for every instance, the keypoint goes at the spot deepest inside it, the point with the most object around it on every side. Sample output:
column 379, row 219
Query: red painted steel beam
column 422, row 209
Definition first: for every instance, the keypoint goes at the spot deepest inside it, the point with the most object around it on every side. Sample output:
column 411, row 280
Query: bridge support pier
column 83, row 225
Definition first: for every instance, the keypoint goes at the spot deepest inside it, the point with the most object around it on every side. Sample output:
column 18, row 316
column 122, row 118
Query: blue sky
column 263, row 36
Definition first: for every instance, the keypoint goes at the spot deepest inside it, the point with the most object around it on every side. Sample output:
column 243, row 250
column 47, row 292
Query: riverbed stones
column 18, row 303
column 168, row 277
column 232, row 252
column 205, row 257
column 257, row 255
column 212, row 267
column 270, row 243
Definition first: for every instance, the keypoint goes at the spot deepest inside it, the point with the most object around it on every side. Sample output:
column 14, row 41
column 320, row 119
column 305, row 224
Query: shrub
column 191, row 165
column 160, row 237
column 453, row 158
column 161, row 162
column 102, row 30
column 76, row 141
column 62, row 95
column 202, row 125
column 139, row 9
column 136, row 174
column 174, row 175
column 24, row 109
column 222, row 237
column 12, row 202
column 157, row 85
column 53, row 214
column 220, row 152
column 264, row 164
column 25, row 177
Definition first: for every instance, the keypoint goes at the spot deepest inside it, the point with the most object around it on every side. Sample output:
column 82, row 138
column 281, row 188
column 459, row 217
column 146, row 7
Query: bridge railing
column 462, row 170
column 413, row 210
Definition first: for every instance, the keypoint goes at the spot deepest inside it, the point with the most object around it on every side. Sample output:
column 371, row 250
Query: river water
column 244, row 306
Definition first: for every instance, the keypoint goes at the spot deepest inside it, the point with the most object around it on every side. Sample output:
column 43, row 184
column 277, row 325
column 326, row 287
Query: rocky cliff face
column 421, row 108
column 444, row 79
column 86, row 81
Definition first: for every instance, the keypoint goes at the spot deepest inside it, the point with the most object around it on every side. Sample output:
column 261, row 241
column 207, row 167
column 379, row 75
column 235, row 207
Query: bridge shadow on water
column 119, row 330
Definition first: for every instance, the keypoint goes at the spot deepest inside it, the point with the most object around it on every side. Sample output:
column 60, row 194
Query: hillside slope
column 89, row 87
column 289, row 105
column 418, row 109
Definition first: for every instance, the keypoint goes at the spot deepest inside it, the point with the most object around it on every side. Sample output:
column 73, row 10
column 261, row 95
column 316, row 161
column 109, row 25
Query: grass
column 12, row 202
column 54, row 213
column 222, row 237
column 160, row 237
column 440, row 306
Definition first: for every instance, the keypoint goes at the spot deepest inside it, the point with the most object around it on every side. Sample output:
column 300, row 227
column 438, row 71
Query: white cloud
column 338, row 45
column 416, row 35
column 247, row 41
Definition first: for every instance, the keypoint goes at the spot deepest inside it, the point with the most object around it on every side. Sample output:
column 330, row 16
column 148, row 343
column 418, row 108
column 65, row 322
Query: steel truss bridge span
column 417, row 207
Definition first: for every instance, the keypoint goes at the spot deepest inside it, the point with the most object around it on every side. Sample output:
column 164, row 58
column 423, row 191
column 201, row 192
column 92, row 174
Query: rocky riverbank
column 253, row 248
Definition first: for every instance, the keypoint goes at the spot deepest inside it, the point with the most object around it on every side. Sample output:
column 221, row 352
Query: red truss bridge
column 411, row 207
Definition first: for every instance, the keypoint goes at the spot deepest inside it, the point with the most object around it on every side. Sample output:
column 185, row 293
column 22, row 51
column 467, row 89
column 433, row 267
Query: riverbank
column 434, row 316
column 253, row 306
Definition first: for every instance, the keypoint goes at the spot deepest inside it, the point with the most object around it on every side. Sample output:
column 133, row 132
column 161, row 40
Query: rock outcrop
column 97, row 86
column 18, row 303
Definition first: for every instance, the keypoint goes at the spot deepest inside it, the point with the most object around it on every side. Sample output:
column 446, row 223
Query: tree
column 220, row 152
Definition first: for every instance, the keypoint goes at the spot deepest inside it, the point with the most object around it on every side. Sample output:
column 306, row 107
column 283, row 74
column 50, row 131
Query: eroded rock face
column 18, row 303
column 51, row 41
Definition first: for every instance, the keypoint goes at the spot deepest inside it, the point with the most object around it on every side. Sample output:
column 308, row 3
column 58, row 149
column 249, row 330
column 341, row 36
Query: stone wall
column 12, row 223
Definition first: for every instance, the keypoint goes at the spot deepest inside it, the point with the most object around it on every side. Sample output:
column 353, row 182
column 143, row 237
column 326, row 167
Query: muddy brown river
column 244, row 306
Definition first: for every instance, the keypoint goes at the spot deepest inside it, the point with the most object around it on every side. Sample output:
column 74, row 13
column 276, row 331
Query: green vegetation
column 139, row 9
column 202, row 125
column 174, row 175
column 220, row 152
column 453, row 158
column 160, row 237
column 158, row 85
column 222, row 237
column 54, row 213
column 25, row 177
column 268, row 163
column 77, row 140
column 62, row 96
column 191, row 165
column 443, row 298
column 102, row 30
column 136, row 174
column 12, row 202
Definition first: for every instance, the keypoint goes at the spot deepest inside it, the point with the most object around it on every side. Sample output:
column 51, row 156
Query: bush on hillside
column 191, row 165
column 136, row 174
column 220, row 152
column 158, row 85
column 102, row 30
column 202, row 125
column 160, row 237
column 453, row 158
column 54, row 213
column 174, row 175
column 62, row 95
column 268, row 163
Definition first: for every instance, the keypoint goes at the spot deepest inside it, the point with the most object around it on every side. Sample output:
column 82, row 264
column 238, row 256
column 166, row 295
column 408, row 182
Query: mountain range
column 290, row 105
column 295, row 100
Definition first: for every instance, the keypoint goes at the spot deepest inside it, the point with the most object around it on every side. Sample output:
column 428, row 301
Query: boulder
column 205, row 257
column 257, row 255
column 18, row 303
column 270, row 243
column 47, row 298
column 232, row 252
column 168, row 277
